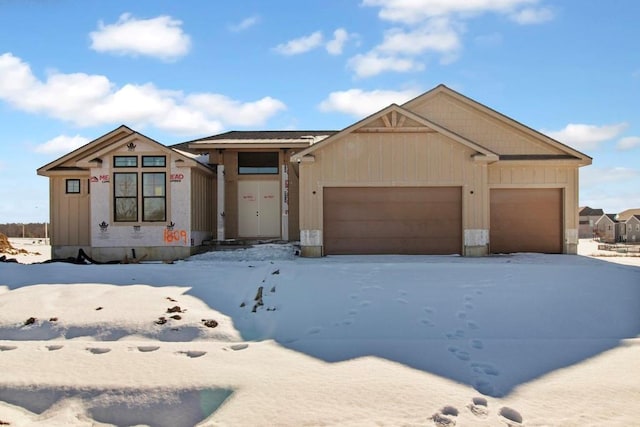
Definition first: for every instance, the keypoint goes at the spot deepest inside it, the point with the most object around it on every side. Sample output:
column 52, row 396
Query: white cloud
column 360, row 103
column 245, row 24
column 89, row 100
column 372, row 63
column 300, row 45
column 415, row 11
column 628, row 143
column 340, row 37
column 161, row 37
column 586, row 137
column 593, row 176
column 438, row 35
column 530, row 16
column 61, row 144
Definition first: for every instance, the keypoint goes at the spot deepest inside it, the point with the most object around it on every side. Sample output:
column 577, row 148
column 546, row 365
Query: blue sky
column 71, row 71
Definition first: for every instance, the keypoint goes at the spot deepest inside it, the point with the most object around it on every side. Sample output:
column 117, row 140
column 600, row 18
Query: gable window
column 154, row 205
column 258, row 163
column 125, row 161
column 72, row 186
column 126, row 196
column 154, row 161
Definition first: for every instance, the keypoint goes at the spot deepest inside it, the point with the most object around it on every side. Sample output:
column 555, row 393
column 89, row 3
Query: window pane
column 125, row 184
column 258, row 163
column 154, row 209
column 125, row 161
column 153, row 184
column 126, row 209
column 73, row 186
column 153, row 161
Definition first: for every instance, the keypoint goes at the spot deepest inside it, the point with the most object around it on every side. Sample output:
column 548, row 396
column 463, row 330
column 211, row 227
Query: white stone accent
column 220, row 211
column 478, row 237
column 311, row 237
column 571, row 236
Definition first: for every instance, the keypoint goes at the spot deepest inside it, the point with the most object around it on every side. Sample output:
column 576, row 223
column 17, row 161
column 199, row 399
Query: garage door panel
column 526, row 220
column 392, row 220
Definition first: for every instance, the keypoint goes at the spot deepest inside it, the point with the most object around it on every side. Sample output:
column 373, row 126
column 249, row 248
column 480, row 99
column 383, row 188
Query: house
column 632, row 228
column 608, row 229
column 440, row 174
column 587, row 218
column 126, row 195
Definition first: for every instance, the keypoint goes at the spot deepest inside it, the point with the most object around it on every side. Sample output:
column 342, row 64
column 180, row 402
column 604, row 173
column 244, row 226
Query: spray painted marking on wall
column 175, row 236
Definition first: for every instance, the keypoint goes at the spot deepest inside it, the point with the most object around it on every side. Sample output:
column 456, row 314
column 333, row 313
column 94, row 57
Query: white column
column 220, row 211
column 285, row 202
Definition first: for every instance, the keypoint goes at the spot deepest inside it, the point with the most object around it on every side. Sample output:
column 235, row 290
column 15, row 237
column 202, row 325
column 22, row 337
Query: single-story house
column 587, row 218
column 608, row 229
column 440, row 174
column 125, row 195
column 632, row 228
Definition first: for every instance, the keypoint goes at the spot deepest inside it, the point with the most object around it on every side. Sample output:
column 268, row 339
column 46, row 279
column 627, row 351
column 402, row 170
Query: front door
column 259, row 209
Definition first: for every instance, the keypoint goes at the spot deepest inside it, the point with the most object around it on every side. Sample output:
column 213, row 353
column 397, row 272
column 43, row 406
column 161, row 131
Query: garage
column 526, row 220
column 392, row 220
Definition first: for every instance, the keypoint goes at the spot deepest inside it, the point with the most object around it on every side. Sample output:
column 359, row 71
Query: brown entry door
column 392, row 220
column 526, row 220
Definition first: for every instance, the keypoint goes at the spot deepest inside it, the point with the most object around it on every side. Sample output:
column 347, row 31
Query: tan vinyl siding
column 69, row 213
column 409, row 159
column 203, row 205
column 483, row 129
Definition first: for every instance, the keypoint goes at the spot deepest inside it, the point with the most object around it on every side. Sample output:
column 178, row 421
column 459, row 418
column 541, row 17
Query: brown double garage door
column 428, row 220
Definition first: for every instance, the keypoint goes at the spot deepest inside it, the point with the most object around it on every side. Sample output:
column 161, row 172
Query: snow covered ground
column 526, row 339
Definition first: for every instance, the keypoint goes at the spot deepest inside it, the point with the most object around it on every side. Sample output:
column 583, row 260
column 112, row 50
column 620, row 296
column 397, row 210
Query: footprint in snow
column 98, row 350
column 402, row 301
column 147, row 348
column 485, row 368
column 446, row 417
column 477, row 344
column 7, row 347
column 479, row 407
column 468, row 306
column 365, row 303
column 428, row 310
column 237, row 347
column 192, row 353
column 353, row 296
column 314, row 331
column 462, row 315
column 511, row 417
column 54, row 347
column 426, row 322
column 472, row 325
column 353, row 312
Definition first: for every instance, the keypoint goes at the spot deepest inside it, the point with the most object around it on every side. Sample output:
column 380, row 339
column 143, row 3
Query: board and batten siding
column 69, row 215
column 565, row 177
column 484, row 129
column 393, row 159
column 203, row 202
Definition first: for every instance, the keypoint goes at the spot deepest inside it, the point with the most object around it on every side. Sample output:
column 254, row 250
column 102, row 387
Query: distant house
column 587, row 218
column 632, row 226
column 440, row 174
column 608, row 229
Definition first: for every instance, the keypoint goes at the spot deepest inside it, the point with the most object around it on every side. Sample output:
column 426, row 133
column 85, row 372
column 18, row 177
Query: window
column 154, row 161
column 261, row 163
column 73, row 186
column 126, row 196
column 637, row 227
column 154, row 196
column 140, row 193
column 125, row 161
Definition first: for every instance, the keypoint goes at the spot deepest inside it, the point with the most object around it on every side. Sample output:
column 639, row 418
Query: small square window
column 73, row 186
column 125, row 161
column 154, row 161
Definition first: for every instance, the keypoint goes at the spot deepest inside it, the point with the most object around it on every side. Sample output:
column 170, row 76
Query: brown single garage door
column 392, row 220
column 526, row 220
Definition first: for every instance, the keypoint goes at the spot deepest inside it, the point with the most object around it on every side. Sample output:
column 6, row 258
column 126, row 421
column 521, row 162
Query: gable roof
column 626, row 214
column 633, row 217
column 609, row 217
column 570, row 153
column 88, row 155
column 483, row 153
column 587, row 211
column 258, row 139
